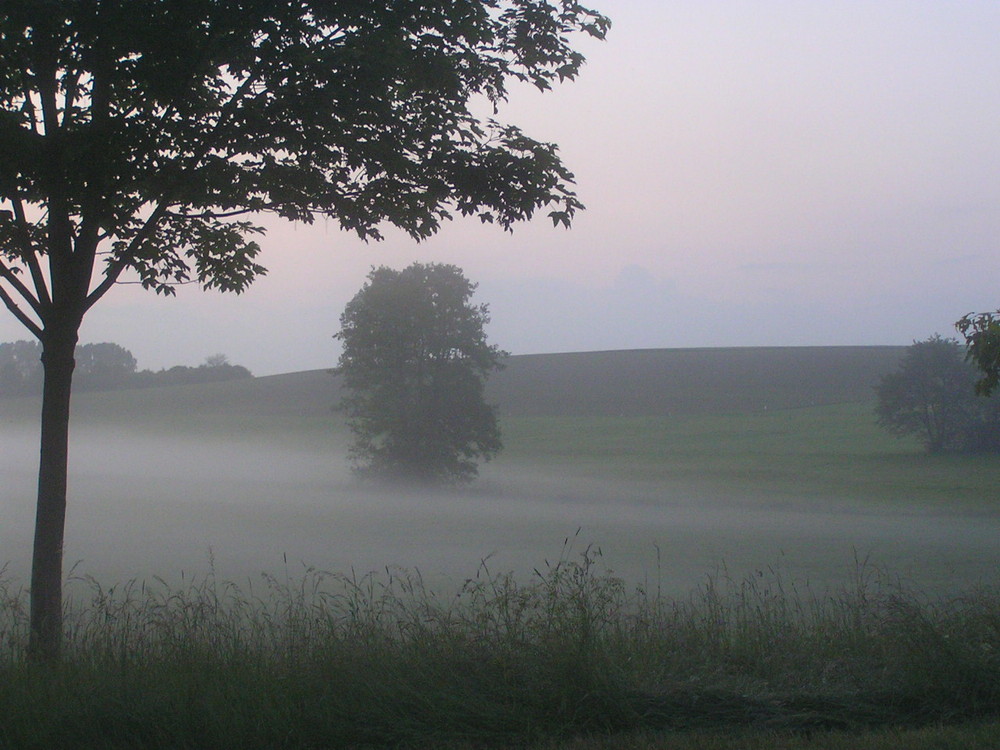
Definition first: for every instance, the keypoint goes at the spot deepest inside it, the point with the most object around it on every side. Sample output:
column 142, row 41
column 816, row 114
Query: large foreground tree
column 415, row 364
column 139, row 137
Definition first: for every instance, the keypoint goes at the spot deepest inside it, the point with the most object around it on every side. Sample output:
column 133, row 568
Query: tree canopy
column 415, row 363
column 140, row 138
column 155, row 128
column 932, row 396
column 982, row 339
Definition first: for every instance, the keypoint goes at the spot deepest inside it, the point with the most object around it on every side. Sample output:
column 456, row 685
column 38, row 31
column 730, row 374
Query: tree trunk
column 45, row 640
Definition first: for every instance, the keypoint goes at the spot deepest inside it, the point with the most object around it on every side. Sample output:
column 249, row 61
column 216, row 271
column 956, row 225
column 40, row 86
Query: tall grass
column 340, row 660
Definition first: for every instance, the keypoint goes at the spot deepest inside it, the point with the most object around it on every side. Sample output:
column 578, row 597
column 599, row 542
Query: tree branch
column 88, row 236
column 221, row 214
column 19, row 287
column 20, row 314
column 71, row 85
column 47, row 85
column 116, row 267
column 165, row 283
column 37, row 277
column 29, row 109
column 54, row 187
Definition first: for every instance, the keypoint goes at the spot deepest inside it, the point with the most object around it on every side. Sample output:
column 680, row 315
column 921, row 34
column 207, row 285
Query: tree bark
column 45, row 639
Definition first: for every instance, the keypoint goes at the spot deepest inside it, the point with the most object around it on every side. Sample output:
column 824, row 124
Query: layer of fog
column 145, row 505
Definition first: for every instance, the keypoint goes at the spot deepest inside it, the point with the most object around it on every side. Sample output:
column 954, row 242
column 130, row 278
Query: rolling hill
column 661, row 382
column 646, row 382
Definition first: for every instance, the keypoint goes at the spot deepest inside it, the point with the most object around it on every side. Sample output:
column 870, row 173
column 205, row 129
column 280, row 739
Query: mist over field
column 150, row 497
column 147, row 505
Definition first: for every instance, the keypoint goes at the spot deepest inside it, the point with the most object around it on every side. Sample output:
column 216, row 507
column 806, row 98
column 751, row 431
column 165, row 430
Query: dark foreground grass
column 971, row 736
column 571, row 656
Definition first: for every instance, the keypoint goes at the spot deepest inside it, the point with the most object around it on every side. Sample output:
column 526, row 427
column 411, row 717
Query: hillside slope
column 690, row 381
column 648, row 382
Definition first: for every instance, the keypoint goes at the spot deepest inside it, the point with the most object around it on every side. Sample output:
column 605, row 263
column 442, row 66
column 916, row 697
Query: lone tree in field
column 415, row 363
column 138, row 137
column 932, row 396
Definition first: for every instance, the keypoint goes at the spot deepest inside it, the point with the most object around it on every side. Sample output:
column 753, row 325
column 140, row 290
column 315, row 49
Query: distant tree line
column 933, row 395
column 102, row 367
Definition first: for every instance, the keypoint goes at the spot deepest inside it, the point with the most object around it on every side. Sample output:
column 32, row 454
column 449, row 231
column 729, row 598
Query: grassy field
column 776, row 450
column 973, row 736
column 778, row 421
column 692, row 471
column 819, row 452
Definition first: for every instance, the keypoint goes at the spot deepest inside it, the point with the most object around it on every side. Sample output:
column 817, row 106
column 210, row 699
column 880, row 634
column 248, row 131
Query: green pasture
column 820, row 452
column 653, row 382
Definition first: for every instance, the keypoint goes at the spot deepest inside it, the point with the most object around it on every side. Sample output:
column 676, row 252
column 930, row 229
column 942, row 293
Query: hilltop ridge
column 635, row 382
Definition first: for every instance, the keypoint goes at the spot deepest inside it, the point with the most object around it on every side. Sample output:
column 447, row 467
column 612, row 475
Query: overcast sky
column 755, row 173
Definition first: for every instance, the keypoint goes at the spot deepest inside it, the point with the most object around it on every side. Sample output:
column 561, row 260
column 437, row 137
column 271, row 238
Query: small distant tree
column 415, row 363
column 20, row 368
column 98, row 366
column 982, row 339
column 932, row 396
column 104, row 365
column 215, row 360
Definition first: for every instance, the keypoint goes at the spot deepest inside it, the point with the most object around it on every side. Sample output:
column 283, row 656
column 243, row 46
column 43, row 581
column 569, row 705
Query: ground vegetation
column 572, row 656
column 384, row 661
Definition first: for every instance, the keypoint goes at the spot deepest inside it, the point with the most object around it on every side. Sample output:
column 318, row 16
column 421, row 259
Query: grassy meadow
column 677, row 548
column 832, row 451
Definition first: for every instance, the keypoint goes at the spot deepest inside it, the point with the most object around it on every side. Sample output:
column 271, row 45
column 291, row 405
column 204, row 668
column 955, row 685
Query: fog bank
column 145, row 505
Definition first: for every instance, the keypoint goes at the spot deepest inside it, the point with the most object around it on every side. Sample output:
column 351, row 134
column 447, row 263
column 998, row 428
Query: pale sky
column 755, row 173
